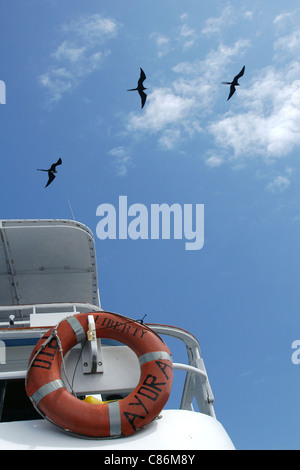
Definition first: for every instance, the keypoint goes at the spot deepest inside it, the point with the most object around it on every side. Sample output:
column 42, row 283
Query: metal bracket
column 91, row 351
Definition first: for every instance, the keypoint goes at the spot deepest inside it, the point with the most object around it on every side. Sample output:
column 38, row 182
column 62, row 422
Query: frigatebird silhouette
column 234, row 83
column 51, row 171
column 140, row 88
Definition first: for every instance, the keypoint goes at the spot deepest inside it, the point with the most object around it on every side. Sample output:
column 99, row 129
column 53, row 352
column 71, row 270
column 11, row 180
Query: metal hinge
column 91, row 351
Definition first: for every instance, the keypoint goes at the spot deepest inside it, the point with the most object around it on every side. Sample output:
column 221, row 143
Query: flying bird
column 140, row 88
column 51, row 171
column 234, row 83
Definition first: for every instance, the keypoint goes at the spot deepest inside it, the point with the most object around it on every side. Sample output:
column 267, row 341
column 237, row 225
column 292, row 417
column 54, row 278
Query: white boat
column 49, row 286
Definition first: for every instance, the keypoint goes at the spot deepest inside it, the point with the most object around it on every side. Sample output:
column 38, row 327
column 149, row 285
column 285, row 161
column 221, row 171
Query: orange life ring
column 48, row 393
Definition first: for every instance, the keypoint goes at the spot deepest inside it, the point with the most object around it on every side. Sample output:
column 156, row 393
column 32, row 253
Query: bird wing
column 142, row 77
column 232, row 91
column 51, row 178
column 143, row 97
column 240, row 74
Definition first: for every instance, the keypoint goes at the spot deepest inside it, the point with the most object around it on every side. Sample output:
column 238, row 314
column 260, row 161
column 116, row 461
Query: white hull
column 175, row 430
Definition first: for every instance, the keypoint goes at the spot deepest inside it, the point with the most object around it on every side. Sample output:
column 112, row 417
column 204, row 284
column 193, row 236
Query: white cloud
column 184, row 16
column 91, row 28
column 188, row 35
column 175, row 111
column 183, row 36
column 78, row 55
column 165, row 112
column 279, row 184
column 121, row 160
column 214, row 25
column 169, row 138
column 249, row 15
column 229, row 16
column 263, row 121
column 214, row 161
column 287, row 29
column 288, row 44
column 66, row 52
column 201, row 78
column 281, row 20
column 162, row 43
column 269, row 123
column 164, row 108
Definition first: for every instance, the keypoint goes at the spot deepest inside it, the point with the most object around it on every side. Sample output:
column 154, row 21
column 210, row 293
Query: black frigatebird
column 234, row 83
column 140, row 88
column 51, row 171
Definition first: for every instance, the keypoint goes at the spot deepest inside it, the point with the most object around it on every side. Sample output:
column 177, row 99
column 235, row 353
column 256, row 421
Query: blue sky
column 67, row 65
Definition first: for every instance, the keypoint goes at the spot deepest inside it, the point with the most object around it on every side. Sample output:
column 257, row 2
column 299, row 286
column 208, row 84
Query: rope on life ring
column 49, row 394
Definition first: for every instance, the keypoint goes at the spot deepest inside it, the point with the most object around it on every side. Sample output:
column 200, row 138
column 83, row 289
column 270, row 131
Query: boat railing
column 36, row 314
column 196, row 385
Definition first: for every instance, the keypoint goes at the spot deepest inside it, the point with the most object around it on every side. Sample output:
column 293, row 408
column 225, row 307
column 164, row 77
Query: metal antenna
column 71, row 209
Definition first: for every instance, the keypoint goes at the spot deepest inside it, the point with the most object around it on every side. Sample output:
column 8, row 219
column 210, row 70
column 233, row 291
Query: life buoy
column 49, row 394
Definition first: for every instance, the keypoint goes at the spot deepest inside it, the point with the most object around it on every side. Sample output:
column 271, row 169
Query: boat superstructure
column 48, row 273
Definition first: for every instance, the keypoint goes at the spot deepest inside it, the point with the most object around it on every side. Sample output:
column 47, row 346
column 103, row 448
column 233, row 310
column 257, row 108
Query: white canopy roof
column 45, row 261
